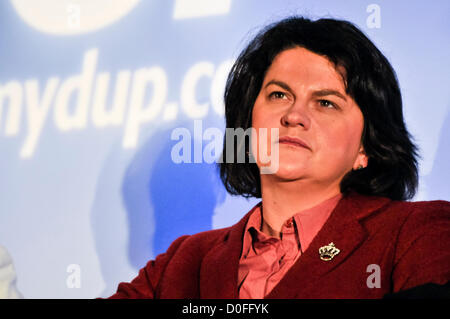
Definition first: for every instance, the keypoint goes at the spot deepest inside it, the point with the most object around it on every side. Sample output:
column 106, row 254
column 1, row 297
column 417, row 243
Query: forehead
column 300, row 65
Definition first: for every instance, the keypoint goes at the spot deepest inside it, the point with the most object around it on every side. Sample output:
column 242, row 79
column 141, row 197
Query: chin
column 290, row 171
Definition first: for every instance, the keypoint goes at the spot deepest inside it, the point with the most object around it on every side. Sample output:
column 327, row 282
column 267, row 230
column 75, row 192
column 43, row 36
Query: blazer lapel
column 219, row 269
column 344, row 230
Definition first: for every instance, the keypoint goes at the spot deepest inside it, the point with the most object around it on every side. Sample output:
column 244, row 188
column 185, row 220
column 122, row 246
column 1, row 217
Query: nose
column 296, row 115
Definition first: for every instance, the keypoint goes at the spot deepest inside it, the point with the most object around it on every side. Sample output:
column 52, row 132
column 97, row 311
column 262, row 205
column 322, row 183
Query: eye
column 327, row 104
column 277, row 95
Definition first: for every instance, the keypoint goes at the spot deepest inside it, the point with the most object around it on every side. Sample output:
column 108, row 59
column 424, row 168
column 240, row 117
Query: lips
column 294, row 141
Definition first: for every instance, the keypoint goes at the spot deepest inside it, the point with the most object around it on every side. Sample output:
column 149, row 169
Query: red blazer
column 409, row 241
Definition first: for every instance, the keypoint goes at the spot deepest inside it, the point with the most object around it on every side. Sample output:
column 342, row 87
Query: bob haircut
column 369, row 79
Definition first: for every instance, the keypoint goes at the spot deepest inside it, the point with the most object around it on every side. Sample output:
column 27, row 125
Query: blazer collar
column 219, row 270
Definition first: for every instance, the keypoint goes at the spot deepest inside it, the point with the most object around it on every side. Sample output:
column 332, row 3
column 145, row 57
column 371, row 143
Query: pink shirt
column 265, row 260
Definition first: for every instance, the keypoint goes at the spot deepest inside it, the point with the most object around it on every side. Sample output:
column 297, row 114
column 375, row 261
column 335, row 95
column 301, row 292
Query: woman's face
column 304, row 97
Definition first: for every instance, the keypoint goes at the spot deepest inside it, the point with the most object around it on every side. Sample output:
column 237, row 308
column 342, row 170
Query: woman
column 334, row 221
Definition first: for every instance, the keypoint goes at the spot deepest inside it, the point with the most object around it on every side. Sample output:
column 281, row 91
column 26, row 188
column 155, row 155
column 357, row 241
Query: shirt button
column 289, row 222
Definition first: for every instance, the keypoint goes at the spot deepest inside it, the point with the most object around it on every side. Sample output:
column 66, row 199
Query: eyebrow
column 280, row 84
column 319, row 93
column 326, row 92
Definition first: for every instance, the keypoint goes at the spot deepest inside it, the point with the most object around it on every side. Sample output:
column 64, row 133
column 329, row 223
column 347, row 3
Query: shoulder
column 411, row 221
column 204, row 241
column 425, row 215
column 424, row 206
column 417, row 207
column 424, row 221
column 403, row 215
column 200, row 242
column 412, row 236
column 421, row 254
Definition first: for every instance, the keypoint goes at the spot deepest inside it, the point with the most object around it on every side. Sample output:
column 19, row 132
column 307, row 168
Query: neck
column 281, row 200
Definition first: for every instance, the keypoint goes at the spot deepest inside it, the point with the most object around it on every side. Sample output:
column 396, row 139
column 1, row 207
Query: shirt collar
column 308, row 223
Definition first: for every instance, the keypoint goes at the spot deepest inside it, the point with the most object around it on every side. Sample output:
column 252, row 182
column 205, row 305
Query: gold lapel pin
column 328, row 252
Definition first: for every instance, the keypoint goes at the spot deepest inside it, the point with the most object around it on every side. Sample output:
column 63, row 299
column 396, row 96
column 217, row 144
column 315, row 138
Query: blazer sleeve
column 422, row 254
column 145, row 284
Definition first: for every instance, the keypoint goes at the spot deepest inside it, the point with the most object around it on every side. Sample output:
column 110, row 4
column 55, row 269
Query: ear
column 362, row 159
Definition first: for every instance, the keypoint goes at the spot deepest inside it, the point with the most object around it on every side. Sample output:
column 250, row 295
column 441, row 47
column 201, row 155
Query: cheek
column 257, row 114
column 262, row 139
column 259, row 120
column 264, row 116
column 342, row 141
